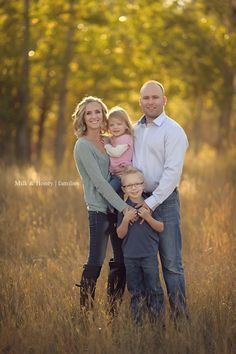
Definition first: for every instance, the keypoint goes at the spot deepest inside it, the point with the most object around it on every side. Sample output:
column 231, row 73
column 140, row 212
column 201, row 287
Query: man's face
column 152, row 100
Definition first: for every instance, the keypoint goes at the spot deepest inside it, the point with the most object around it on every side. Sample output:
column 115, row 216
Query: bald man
column 159, row 148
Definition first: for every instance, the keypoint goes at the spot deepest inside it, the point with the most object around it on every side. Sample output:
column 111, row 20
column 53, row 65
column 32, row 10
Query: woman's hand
column 130, row 214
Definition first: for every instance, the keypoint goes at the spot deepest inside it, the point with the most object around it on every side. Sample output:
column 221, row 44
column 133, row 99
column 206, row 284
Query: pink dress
column 126, row 158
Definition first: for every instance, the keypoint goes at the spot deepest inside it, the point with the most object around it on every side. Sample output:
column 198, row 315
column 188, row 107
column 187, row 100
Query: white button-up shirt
column 159, row 149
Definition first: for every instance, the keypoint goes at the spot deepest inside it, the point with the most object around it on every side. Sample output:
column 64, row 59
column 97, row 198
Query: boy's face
column 133, row 185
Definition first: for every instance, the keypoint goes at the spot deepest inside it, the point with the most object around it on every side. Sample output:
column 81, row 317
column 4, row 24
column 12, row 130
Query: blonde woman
column 92, row 161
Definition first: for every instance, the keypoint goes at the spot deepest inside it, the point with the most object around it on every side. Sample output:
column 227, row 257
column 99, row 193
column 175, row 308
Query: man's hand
column 143, row 205
column 144, row 213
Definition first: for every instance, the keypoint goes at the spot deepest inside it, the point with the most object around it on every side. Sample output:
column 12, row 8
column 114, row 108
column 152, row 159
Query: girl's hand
column 106, row 140
column 118, row 171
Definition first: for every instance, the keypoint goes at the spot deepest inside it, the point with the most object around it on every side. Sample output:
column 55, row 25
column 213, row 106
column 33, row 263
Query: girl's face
column 116, row 126
column 93, row 115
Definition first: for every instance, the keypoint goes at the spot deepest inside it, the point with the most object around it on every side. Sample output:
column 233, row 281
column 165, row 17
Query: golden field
column 43, row 245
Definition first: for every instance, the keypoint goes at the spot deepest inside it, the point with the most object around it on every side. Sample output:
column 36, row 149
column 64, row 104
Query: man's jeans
column 170, row 248
column 143, row 283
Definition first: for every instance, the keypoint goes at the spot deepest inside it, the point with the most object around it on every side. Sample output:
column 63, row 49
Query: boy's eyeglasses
column 130, row 186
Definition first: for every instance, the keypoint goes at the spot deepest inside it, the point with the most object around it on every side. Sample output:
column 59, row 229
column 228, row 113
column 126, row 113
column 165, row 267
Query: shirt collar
column 129, row 201
column 158, row 120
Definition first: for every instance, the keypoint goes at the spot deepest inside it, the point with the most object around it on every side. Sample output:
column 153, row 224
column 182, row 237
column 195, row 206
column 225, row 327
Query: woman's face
column 93, row 115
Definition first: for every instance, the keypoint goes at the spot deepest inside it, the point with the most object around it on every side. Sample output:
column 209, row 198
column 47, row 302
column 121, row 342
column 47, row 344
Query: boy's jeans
column 144, row 286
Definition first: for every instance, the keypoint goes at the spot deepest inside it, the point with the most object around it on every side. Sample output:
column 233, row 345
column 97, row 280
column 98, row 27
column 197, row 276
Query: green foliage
column 115, row 47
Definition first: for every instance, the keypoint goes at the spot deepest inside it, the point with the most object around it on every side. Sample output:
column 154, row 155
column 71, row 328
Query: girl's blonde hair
column 120, row 113
column 79, row 124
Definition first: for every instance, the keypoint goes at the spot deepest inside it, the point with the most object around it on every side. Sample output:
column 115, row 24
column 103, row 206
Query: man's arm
column 176, row 144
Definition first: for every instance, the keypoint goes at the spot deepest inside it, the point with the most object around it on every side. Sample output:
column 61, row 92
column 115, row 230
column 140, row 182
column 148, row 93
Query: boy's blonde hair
column 78, row 115
column 130, row 170
column 120, row 113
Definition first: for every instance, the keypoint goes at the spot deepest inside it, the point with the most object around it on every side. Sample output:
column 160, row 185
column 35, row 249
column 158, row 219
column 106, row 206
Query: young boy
column 140, row 247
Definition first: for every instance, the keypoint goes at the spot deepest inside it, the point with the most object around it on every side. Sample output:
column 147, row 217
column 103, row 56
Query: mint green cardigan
column 93, row 167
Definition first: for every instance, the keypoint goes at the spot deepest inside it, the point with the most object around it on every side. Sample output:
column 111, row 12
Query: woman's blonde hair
column 78, row 115
column 120, row 113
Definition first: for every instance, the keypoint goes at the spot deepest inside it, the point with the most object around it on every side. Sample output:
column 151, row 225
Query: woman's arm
column 83, row 154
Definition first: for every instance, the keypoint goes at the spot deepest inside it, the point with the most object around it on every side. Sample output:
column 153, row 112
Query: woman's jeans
column 101, row 226
column 144, row 286
column 170, row 249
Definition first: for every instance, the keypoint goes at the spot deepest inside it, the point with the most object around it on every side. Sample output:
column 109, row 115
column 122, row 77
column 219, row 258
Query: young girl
column 120, row 148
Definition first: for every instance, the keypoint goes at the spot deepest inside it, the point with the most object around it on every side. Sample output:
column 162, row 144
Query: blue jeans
column 143, row 283
column 170, row 249
column 115, row 182
column 100, row 228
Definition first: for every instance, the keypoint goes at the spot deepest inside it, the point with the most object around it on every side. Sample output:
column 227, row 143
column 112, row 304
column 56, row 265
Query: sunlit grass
column 43, row 245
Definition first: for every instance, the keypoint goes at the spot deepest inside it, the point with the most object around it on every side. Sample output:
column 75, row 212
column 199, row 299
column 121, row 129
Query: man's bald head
column 152, row 83
column 152, row 99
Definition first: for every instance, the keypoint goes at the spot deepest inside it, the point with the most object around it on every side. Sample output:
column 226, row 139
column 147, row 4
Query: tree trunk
column 44, row 107
column 197, row 124
column 23, row 132
column 224, row 119
column 60, row 125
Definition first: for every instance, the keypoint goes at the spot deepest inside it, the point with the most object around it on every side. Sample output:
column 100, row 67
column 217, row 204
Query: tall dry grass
column 43, row 245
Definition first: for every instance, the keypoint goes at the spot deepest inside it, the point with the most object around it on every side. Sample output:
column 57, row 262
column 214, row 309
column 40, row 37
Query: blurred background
column 53, row 53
